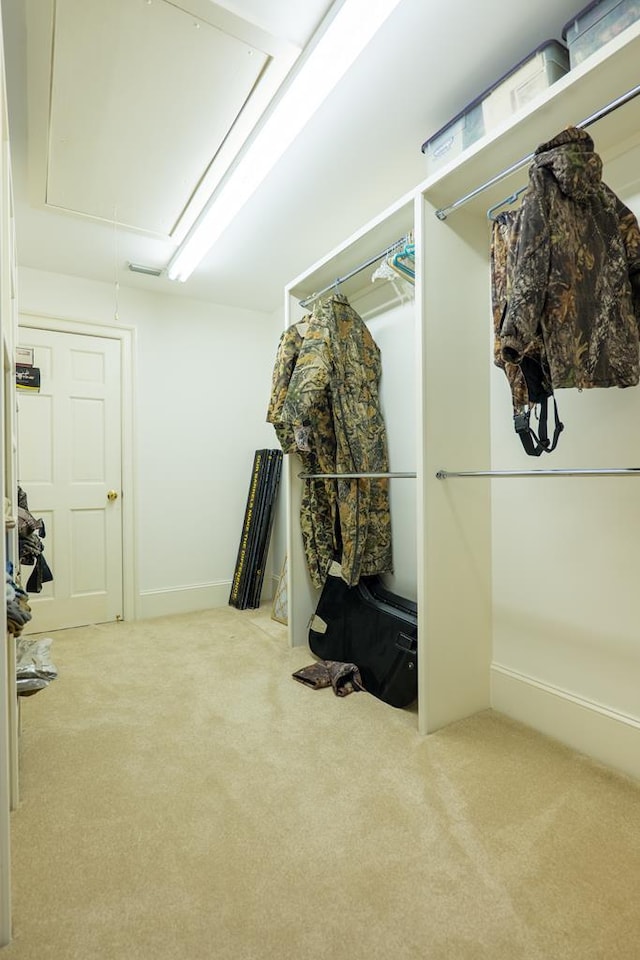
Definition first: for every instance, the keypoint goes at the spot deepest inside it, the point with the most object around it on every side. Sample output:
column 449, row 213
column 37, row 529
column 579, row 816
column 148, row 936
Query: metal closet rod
column 596, row 472
column 352, row 476
column 603, row 112
column 448, row 474
column 354, row 272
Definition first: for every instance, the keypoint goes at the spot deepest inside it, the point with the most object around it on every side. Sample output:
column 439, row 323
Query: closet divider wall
column 526, row 586
column 456, row 532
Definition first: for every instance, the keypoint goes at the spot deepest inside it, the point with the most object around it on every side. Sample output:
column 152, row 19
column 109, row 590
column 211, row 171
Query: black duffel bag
column 373, row 628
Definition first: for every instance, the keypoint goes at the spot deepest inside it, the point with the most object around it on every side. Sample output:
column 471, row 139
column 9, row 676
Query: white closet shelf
column 396, row 222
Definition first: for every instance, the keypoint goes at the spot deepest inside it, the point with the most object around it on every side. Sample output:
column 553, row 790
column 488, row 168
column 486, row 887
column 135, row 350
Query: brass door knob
column 112, row 495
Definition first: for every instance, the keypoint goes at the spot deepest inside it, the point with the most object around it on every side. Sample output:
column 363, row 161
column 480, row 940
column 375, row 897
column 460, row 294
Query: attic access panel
column 143, row 94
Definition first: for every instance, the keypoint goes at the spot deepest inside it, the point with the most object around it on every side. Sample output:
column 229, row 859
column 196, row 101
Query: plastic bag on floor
column 34, row 667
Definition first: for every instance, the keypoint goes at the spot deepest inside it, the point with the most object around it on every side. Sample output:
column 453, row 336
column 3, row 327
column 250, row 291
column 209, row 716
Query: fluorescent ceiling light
column 350, row 30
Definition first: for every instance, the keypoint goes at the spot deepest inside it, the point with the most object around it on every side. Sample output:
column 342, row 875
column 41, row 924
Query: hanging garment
column 318, row 506
column 503, row 241
column 332, row 406
column 286, row 359
column 31, row 533
column 529, row 380
column 576, row 276
column 17, row 604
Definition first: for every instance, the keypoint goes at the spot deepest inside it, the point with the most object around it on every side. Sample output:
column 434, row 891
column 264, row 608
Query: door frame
column 126, row 335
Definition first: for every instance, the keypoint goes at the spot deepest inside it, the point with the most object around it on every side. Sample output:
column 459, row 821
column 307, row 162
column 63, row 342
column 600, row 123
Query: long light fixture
column 337, row 47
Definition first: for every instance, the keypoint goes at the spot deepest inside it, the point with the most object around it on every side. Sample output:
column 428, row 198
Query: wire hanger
column 512, row 198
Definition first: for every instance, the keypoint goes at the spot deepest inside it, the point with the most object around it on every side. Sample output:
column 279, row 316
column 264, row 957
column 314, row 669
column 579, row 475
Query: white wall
column 202, row 382
column 566, row 561
column 394, row 332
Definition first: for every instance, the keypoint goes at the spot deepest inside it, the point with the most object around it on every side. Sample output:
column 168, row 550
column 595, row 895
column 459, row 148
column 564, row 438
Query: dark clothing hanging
column 40, row 574
column 31, row 533
column 576, row 271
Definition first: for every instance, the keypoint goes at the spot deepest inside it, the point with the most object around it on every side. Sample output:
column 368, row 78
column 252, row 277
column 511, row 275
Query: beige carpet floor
column 183, row 797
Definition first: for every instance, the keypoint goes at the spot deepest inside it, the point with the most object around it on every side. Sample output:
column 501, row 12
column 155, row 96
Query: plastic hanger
column 399, row 263
column 384, row 271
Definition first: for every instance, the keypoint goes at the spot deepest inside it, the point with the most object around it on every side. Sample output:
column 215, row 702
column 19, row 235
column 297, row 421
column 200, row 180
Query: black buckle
column 521, row 421
column 535, row 446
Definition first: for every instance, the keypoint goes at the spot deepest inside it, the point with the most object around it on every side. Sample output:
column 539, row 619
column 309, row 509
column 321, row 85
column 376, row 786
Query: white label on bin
column 514, row 92
column 443, row 148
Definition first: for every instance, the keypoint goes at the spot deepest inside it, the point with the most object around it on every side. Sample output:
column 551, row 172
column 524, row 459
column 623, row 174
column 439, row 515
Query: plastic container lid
column 479, row 99
column 581, row 14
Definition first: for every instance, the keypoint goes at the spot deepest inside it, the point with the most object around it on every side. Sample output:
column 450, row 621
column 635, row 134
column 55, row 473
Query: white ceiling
column 141, row 154
column 140, row 94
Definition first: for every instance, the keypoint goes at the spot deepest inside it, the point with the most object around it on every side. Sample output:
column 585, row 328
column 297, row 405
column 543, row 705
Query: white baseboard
column 201, row 596
column 601, row 733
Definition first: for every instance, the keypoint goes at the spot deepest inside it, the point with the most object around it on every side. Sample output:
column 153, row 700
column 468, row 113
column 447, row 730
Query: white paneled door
column 69, row 465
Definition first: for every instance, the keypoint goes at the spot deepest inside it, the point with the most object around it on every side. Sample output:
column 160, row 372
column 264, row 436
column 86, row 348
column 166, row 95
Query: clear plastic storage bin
column 507, row 95
column 596, row 24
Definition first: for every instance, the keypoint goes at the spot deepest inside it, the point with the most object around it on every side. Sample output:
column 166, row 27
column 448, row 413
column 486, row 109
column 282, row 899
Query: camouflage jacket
column 576, row 271
column 286, row 358
column 318, row 503
column 503, row 235
column 333, row 394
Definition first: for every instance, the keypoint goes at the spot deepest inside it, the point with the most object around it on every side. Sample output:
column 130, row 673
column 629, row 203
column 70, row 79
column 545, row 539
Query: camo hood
column 575, row 271
column 571, row 159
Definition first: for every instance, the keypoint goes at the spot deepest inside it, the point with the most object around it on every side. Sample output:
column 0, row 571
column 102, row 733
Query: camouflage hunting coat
column 576, row 271
column 318, row 507
column 503, row 237
column 332, row 404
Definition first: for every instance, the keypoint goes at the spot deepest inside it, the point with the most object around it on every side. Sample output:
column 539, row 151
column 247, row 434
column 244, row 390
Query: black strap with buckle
column 537, row 444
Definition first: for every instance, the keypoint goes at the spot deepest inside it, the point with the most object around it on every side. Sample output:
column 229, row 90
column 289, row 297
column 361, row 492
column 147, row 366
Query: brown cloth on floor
column 343, row 677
